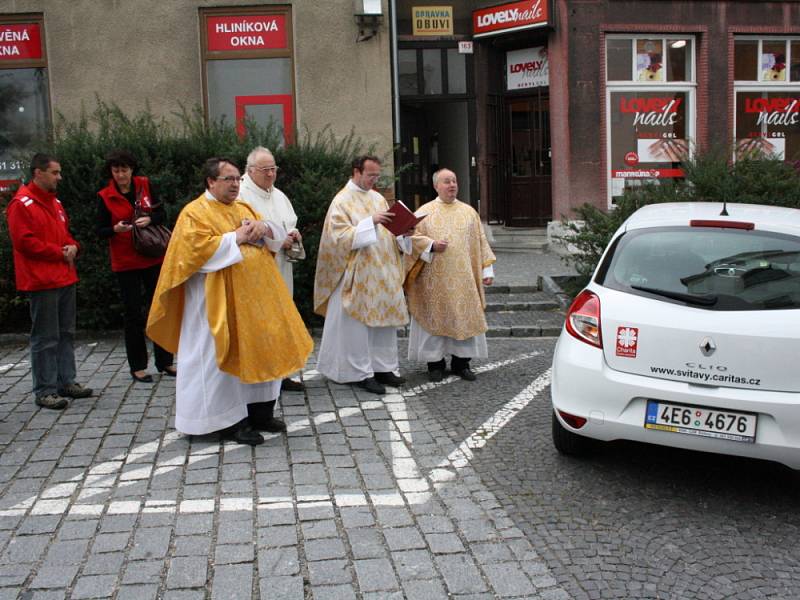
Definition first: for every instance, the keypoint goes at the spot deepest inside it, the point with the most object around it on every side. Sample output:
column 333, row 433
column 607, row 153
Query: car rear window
column 707, row 267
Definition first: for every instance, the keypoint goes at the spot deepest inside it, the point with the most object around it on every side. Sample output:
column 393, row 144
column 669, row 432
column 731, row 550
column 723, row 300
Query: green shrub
column 171, row 155
column 710, row 177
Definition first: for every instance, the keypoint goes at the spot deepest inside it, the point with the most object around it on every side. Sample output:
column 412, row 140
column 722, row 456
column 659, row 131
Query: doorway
column 434, row 135
column 529, row 164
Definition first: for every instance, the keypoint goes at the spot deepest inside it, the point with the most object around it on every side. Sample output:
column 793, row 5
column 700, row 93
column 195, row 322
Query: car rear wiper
column 688, row 298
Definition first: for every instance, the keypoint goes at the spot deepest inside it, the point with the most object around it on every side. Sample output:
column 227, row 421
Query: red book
column 403, row 219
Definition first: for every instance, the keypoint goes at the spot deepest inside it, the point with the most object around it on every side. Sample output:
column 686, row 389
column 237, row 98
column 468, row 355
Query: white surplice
column 206, row 399
column 350, row 350
column 272, row 205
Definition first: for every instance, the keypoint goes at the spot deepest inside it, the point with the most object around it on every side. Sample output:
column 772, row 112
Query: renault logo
column 707, row 346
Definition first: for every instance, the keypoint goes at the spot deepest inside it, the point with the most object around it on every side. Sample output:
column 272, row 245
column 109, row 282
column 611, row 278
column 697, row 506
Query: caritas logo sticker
column 627, row 341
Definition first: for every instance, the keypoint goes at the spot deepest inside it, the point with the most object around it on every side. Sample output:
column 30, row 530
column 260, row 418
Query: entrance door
column 528, row 184
column 434, row 134
column 415, row 156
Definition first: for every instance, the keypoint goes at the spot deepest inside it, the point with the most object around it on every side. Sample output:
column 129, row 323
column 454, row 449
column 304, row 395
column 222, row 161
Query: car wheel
column 567, row 442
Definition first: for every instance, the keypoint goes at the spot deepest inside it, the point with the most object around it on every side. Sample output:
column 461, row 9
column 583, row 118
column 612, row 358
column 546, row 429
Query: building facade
column 303, row 64
column 538, row 105
column 572, row 101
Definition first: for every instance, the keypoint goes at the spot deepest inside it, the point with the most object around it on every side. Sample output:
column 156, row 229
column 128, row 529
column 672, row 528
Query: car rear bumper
column 615, row 403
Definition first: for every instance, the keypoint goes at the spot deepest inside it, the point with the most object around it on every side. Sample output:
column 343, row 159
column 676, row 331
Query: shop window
column 432, row 71
column 24, row 97
column 649, row 59
column 456, row 72
column 650, row 105
column 248, row 74
column 767, row 90
column 407, row 72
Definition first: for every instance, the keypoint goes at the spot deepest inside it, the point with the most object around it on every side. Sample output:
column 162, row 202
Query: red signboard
column 510, row 17
column 246, row 32
column 20, row 41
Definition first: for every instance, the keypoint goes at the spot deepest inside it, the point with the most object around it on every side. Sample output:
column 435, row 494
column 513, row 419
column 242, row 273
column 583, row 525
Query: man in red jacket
column 44, row 266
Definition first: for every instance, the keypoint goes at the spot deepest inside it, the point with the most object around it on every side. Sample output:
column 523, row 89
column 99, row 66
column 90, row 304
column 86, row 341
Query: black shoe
column 466, row 374
column 75, row 390
column 242, row 433
column 369, row 384
column 146, row 378
column 389, row 378
column 271, row 425
column 290, row 385
column 169, row 371
column 435, row 375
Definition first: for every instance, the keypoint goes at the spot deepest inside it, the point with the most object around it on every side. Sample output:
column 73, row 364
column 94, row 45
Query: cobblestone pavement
column 366, row 497
column 632, row 521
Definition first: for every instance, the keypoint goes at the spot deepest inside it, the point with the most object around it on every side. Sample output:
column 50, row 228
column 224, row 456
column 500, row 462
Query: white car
column 688, row 335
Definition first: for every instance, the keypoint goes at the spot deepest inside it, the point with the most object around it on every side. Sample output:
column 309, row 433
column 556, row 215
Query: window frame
column 443, row 47
column 759, row 85
column 664, row 37
column 29, row 63
column 207, row 55
column 689, row 87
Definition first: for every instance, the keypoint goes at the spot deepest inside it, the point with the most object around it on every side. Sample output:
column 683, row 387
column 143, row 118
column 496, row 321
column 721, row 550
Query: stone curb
column 549, row 285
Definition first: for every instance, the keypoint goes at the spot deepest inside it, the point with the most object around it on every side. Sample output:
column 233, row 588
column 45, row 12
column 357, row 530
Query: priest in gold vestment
column 358, row 286
column 222, row 306
column 450, row 263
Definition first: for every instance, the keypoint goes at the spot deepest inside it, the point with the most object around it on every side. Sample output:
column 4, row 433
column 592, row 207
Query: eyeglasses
column 266, row 169
column 230, row 179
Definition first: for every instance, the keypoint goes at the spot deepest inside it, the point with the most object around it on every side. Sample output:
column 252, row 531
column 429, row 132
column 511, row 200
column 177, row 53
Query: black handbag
column 152, row 240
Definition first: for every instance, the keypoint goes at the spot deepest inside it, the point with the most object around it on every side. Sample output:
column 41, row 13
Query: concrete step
column 518, row 239
column 521, row 306
column 511, row 289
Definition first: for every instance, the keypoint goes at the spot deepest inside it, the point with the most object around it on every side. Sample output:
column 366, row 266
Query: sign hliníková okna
column 246, row 32
column 20, row 41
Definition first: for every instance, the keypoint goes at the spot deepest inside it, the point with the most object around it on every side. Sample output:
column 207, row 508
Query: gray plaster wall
column 134, row 52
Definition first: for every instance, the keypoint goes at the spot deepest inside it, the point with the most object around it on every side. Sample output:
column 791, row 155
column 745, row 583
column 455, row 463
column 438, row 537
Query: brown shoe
column 75, row 390
column 52, row 401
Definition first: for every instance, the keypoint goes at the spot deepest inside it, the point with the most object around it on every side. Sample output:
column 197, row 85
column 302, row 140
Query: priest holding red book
column 358, row 286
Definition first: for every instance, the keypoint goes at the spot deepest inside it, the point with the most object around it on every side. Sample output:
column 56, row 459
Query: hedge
column 171, row 154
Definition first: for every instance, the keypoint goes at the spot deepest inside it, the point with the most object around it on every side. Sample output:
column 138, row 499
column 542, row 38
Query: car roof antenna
column 724, row 212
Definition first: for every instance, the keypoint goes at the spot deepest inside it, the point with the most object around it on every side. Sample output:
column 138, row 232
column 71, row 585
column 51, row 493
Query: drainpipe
column 397, row 153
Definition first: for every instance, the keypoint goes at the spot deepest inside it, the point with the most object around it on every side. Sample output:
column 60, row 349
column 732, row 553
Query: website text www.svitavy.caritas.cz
column 701, row 376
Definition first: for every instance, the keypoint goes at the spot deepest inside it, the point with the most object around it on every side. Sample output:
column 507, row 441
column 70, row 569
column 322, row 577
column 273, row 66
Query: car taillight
column 722, row 224
column 573, row 421
column 583, row 319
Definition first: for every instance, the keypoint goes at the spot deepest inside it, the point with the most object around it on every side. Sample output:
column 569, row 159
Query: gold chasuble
column 446, row 295
column 258, row 333
column 372, row 292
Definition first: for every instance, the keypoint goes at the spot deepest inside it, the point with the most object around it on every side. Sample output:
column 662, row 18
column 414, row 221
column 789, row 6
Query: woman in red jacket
column 137, row 274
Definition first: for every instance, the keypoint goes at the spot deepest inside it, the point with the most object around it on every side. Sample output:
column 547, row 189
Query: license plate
column 697, row 420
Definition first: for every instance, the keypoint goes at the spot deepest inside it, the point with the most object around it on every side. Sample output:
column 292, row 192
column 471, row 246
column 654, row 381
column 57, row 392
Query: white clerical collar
column 210, row 196
column 352, row 185
column 248, row 181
